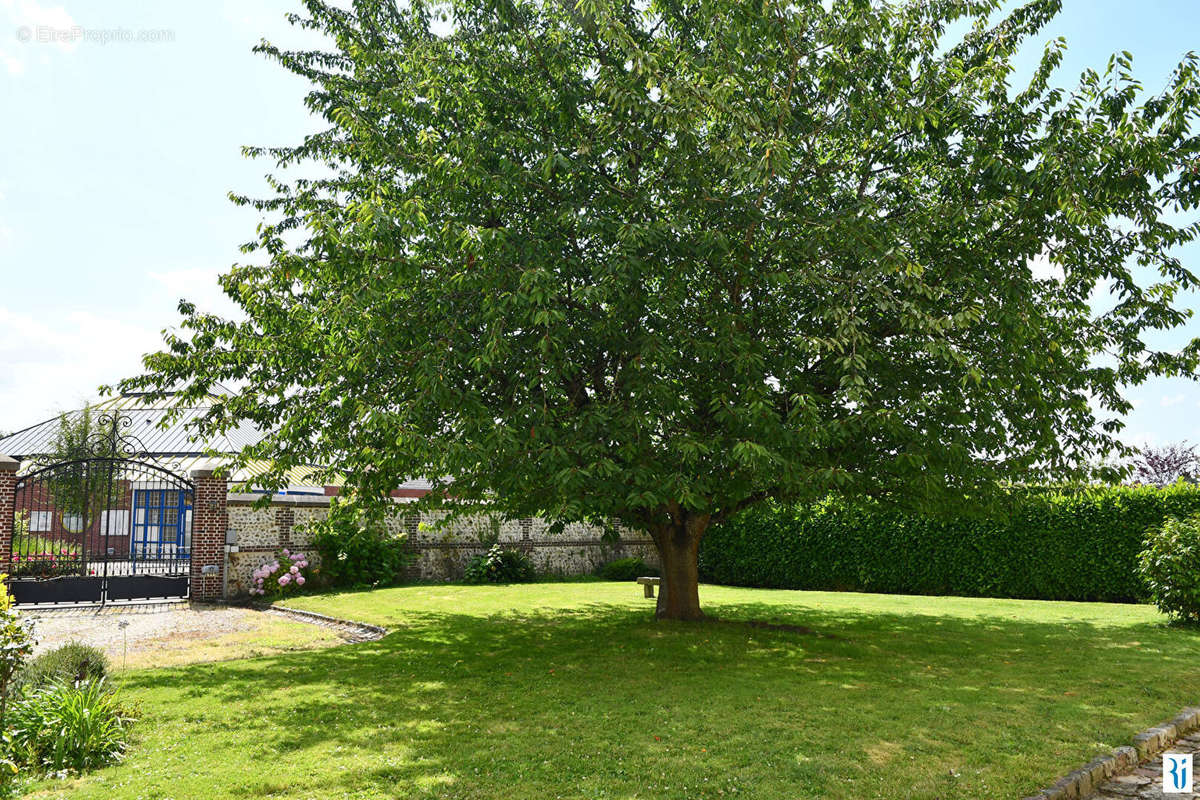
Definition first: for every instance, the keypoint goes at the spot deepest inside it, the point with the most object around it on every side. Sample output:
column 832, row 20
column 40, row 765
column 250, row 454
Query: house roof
column 171, row 445
column 148, row 425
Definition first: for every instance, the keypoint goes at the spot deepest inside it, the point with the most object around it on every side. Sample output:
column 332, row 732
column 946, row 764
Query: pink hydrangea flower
column 285, row 552
column 284, row 579
column 294, row 570
column 299, row 580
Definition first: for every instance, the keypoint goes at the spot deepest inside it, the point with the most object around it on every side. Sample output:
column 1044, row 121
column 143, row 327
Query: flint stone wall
column 442, row 549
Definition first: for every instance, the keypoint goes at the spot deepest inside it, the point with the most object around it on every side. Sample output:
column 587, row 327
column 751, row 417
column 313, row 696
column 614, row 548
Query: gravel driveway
column 163, row 634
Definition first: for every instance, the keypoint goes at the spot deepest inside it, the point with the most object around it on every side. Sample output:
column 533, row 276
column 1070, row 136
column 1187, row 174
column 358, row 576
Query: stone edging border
column 352, row 629
column 1083, row 782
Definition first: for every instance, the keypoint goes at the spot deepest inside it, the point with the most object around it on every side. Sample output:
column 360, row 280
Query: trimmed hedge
column 1048, row 544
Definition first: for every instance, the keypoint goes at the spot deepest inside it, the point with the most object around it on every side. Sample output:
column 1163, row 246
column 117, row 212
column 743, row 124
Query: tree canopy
column 653, row 262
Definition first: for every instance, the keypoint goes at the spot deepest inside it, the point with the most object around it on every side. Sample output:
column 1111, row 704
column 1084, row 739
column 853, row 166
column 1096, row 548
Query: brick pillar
column 8, row 505
column 209, row 523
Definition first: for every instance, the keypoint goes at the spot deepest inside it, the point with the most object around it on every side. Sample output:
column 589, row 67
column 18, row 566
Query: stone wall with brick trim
column 442, row 549
column 8, row 499
column 209, row 523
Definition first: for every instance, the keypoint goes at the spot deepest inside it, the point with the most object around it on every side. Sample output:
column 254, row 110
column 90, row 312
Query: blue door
column 160, row 524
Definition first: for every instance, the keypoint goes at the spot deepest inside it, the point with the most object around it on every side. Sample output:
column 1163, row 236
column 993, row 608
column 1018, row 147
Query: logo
column 1177, row 773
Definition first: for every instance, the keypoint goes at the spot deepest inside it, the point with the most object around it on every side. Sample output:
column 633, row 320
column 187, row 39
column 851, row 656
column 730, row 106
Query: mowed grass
column 572, row 690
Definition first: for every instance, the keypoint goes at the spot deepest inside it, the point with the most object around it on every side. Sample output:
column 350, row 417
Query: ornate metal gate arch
column 106, row 524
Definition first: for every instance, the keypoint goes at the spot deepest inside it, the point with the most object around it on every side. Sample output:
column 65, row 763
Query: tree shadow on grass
column 603, row 700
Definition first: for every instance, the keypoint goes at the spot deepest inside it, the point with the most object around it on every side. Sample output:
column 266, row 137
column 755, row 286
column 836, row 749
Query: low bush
column 1047, row 544
column 1170, row 566
column 498, row 565
column 626, row 569
column 76, row 726
column 68, row 663
column 16, row 643
column 356, row 548
column 285, row 574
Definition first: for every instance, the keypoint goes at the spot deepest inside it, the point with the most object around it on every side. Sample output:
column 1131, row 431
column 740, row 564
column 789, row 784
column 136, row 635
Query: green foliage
column 68, row 663
column 77, row 490
column 499, row 565
column 357, row 548
column 625, row 569
column 1170, row 567
column 70, row 726
column 16, row 643
column 1050, row 544
column 284, row 574
column 657, row 262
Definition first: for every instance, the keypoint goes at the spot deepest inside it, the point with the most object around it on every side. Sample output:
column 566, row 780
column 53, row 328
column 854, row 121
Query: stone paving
column 1145, row 782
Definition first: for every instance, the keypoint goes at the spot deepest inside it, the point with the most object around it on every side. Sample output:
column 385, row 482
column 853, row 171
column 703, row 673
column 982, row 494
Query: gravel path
column 208, row 632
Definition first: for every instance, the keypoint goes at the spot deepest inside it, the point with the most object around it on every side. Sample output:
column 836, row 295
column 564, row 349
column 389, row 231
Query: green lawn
column 571, row 690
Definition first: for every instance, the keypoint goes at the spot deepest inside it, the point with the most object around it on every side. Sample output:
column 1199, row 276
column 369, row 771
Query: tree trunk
column 679, row 547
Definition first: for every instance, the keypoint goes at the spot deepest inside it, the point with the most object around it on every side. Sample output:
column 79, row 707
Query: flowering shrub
column 283, row 575
column 47, row 564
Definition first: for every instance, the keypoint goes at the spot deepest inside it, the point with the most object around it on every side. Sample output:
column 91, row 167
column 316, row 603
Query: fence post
column 8, row 508
column 209, row 523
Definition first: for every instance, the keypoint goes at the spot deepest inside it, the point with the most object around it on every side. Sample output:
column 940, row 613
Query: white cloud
column 196, row 284
column 1141, row 439
column 55, row 363
column 1172, row 400
column 12, row 64
column 27, row 24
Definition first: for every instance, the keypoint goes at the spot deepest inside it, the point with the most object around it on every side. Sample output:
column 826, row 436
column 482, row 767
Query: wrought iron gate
column 109, row 525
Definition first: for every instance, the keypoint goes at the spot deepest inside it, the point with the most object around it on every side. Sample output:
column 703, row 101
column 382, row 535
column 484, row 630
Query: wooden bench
column 648, row 585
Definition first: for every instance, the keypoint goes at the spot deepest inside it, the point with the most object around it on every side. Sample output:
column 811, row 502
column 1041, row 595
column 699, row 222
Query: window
column 40, row 521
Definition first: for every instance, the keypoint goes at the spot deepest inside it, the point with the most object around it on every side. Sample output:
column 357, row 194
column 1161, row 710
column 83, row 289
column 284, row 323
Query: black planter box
column 56, row 590
column 145, row 587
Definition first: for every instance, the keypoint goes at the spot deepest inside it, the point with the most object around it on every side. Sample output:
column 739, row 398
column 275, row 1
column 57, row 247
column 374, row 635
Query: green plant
column 356, row 547
column 499, row 565
column 625, row 569
column 68, row 663
column 1052, row 543
column 285, row 574
column 658, row 262
column 1170, row 566
column 70, row 726
column 16, row 643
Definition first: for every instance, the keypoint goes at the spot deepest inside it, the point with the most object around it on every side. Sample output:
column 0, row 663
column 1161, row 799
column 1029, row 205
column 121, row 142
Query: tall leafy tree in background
column 655, row 262
column 81, row 488
column 1162, row 465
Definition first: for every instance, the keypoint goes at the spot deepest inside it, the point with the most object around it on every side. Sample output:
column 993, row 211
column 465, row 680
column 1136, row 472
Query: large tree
column 653, row 262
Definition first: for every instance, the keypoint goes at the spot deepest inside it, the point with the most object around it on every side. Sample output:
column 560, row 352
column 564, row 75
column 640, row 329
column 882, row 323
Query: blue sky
column 120, row 140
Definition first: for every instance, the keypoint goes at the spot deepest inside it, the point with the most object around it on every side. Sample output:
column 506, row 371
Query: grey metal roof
column 146, row 425
column 173, row 447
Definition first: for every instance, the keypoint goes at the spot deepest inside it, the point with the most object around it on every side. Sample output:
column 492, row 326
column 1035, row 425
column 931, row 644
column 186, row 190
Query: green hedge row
column 1050, row 544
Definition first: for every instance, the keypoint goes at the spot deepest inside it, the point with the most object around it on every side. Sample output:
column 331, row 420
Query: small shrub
column 73, row 661
column 1170, row 566
column 357, row 549
column 498, row 565
column 78, row 726
column 626, row 569
column 16, row 643
column 283, row 575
